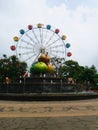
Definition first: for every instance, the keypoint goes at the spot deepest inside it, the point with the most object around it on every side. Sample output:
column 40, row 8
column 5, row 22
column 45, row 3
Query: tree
column 70, row 69
column 11, row 67
column 57, row 63
column 79, row 73
column 89, row 74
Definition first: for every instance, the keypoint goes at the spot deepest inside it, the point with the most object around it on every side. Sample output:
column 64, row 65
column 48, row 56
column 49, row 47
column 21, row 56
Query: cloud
column 85, row 29
column 80, row 25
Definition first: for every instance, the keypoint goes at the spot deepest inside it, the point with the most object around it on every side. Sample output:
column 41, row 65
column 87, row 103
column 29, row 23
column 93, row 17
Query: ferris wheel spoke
column 30, row 57
column 53, row 42
column 22, row 47
column 45, row 36
column 56, row 46
column 49, row 39
column 36, row 57
column 36, row 37
column 25, row 53
column 54, row 55
column 58, row 51
column 41, row 35
column 28, row 43
column 57, row 55
column 31, row 39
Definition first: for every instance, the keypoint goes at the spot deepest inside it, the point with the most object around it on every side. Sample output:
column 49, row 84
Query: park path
column 50, row 115
column 49, row 109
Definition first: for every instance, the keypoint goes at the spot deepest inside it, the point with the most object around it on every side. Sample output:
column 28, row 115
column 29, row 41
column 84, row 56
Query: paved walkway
column 58, row 115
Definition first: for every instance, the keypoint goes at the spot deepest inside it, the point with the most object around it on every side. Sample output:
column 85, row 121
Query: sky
column 77, row 19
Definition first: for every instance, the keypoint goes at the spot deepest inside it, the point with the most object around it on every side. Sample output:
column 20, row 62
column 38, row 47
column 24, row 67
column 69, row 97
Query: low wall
column 40, row 85
column 47, row 97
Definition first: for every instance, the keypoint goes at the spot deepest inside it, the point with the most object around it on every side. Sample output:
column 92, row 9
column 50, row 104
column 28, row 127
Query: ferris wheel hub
column 42, row 50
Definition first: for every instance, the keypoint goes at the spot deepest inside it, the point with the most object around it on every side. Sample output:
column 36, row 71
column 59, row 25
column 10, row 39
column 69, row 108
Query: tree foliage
column 81, row 74
column 11, row 67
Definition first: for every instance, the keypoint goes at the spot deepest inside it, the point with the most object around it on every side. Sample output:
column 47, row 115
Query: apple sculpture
column 44, row 58
column 43, row 65
column 39, row 67
column 50, row 68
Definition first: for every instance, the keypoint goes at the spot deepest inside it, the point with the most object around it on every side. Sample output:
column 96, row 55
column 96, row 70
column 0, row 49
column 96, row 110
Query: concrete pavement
column 56, row 115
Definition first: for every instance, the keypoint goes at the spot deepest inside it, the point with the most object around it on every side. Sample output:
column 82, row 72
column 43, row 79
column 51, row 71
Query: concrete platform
column 48, row 96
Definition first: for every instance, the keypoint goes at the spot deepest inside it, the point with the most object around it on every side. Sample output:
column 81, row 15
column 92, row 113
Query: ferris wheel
column 38, row 39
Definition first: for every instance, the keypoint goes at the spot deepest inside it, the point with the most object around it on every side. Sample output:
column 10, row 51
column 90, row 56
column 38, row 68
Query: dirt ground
column 49, row 115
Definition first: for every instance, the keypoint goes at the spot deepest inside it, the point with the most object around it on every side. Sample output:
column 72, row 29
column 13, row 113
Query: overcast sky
column 78, row 19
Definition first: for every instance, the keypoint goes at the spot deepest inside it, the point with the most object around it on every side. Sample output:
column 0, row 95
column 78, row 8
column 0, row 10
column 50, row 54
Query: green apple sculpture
column 39, row 67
